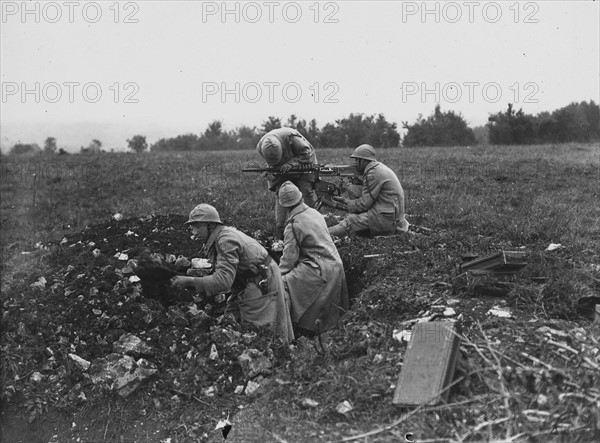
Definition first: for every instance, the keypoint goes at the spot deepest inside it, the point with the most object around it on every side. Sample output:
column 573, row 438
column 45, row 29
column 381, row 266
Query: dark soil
column 89, row 301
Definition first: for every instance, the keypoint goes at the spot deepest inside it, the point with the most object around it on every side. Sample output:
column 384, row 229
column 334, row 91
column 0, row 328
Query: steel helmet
column 271, row 150
column 204, row 213
column 365, row 152
column 289, row 194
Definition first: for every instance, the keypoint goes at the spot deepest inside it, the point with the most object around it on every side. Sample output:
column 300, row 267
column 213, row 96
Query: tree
column 215, row 138
column 50, row 145
column 512, row 128
column 292, row 119
column 383, row 134
column 93, row 147
column 137, row 143
column 25, row 149
column 482, row 134
column 246, row 137
column 270, row 124
column 439, row 129
column 331, row 136
column 313, row 133
column 214, row 130
column 186, row 142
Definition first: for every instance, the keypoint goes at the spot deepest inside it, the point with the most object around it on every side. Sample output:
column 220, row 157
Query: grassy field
column 531, row 377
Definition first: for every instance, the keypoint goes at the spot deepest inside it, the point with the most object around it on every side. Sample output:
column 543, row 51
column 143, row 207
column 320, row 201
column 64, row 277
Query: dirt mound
column 99, row 301
column 110, row 281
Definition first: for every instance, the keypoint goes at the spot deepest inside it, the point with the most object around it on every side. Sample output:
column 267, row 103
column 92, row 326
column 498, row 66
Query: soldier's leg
column 307, row 188
column 351, row 225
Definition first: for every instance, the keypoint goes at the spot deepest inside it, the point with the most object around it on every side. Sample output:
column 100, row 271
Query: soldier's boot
column 402, row 226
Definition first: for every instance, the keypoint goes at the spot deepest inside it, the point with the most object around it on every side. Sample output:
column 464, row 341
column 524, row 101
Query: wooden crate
column 429, row 364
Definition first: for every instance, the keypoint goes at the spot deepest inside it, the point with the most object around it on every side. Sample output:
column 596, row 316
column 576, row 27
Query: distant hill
column 71, row 136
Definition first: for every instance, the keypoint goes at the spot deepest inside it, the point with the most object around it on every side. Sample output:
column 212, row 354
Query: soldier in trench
column 244, row 268
column 313, row 273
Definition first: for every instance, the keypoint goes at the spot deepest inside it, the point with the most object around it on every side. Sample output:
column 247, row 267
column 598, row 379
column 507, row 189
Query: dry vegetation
column 532, row 377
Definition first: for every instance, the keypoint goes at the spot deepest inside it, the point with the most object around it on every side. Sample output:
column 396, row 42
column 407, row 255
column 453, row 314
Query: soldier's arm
column 370, row 192
column 225, row 270
column 291, row 250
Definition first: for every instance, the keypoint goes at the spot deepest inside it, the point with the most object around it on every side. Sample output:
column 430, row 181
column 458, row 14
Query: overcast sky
column 165, row 68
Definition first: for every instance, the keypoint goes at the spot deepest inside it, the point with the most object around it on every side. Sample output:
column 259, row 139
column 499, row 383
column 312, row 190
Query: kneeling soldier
column 244, row 268
column 311, row 266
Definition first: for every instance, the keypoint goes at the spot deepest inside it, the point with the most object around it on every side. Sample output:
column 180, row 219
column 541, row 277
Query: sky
column 110, row 70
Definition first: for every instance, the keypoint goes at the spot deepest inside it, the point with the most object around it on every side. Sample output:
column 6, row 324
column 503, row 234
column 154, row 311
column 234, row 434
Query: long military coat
column 312, row 271
column 240, row 264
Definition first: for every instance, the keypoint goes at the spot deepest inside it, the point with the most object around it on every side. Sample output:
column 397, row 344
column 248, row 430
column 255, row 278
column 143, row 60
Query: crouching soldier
column 313, row 273
column 283, row 149
column 244, row 268
column 377, row 207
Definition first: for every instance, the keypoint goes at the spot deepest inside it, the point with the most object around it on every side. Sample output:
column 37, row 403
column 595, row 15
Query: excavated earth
column 79, row 297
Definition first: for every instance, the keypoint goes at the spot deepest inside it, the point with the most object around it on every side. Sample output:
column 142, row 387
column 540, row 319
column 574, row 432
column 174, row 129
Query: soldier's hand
column 286, row 168
column 268, row 176
column 341, row 200
column 182, row 282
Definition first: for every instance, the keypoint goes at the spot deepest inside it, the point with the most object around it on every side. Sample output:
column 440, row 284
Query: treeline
column 577, row 122
column 350, row 131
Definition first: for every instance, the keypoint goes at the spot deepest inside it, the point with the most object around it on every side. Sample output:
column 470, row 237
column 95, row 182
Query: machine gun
column 324, row 189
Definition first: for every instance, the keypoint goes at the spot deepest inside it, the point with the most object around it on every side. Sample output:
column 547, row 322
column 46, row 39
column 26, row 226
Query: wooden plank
column 429, row 364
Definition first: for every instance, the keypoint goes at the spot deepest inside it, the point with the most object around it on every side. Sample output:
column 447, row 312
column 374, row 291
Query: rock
column 36, row 377
column 40, row 284
column 177, row 316
column 499, row 312
column 308, row 403
column 199, row 318
column 214, row 355
column 131, row 345
column 122, row 373
column 129, row 382
column 80, row 362
column 449, row 312
column 182, row 262
column 210, row 391
column 254, row 362
column 201, row 263
column 21, row 330
column 344, row 407
column 224, row 337
column 251, row 388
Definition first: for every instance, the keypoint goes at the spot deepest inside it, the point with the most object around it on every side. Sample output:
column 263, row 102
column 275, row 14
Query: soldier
column 312, row 270
column 244, row 268
column 379, row 206
column 285, row 148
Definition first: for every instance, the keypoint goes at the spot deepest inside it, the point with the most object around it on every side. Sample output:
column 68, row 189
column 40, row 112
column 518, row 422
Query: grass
column 514, row 383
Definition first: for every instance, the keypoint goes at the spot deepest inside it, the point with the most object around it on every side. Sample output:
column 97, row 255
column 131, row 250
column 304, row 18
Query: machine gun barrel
column 327, row 170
